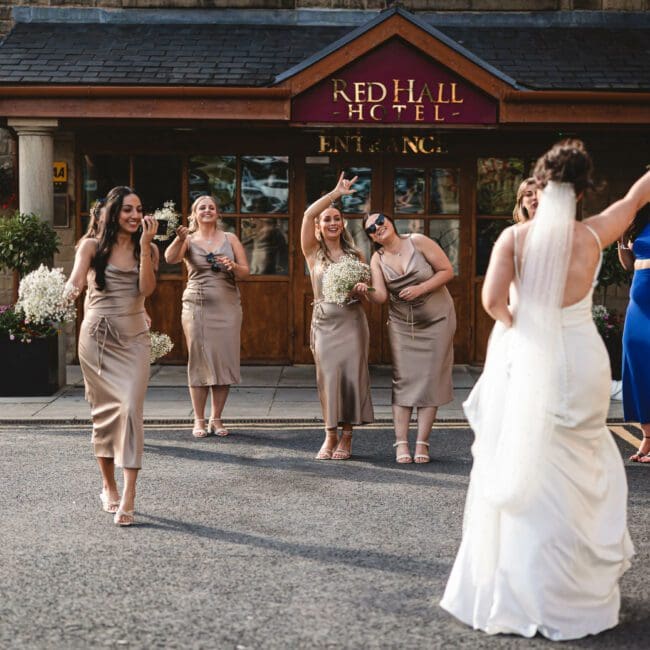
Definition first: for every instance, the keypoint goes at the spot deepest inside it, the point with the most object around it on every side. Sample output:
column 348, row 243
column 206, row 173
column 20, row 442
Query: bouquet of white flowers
column 43, row 301
column 167, row 214
column 340, row 278
column 161, row 344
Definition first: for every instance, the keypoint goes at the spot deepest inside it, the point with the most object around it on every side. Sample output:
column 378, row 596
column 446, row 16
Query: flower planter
column 614, row 347
column 29, row 369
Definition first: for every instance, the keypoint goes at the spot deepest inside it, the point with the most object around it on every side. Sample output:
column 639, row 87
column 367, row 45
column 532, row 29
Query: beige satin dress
column 211, row 319
column 339, row 343
column 421, row 335
column 114, row 348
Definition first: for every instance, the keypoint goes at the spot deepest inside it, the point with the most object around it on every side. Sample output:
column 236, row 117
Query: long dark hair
column 640, row 222
column 375, row 245
column 108, row 235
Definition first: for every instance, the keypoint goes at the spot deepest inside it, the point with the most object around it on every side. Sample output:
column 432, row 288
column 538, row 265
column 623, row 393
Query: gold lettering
column 377, row 112
column 382, row 89
column 324, row 144
column 357, row 141
column 441, row 94
column 436, row 114
column 375, row 146
column 409, row 143
column 339, row 89
column 399, row 89
column 358, row 111
column 399, row 108
column 427, row 144
column 454, row 100
column 427, row 92
column 419, row 112
column 341, row 144
column 359, row 91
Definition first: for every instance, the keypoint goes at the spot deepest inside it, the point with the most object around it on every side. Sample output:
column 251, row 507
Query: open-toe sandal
column 124, row 518
column 109, row 505
column 327, row 449
column 341, row 453
column 639, row 457
column 422, row 458
column 215, row 426
column 403, row 459
column 199, row 429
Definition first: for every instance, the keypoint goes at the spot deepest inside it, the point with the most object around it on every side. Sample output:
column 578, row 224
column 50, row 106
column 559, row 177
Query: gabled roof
column 525, row 51
column 382, row 18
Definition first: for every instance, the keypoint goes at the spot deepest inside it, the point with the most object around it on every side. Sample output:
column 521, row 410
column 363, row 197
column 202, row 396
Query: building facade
column 440, row 109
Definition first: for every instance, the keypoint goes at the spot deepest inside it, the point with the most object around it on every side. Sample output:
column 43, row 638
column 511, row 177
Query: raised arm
column 308, row 241
column 175, row 252
column 613, row 221
column 499, row 275
column 149, row 257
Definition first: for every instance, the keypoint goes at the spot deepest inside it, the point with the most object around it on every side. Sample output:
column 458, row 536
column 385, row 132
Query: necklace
column 397, row 254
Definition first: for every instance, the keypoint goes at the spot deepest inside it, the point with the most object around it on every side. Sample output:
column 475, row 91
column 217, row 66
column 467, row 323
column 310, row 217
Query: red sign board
column 394, row 84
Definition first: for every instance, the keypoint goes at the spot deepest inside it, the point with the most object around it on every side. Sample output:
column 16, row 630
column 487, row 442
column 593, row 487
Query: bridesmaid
column 526, row 202
column 339, row 334
column 634, row 254
column 412, row 271
column 212, row 313
column 119, row 268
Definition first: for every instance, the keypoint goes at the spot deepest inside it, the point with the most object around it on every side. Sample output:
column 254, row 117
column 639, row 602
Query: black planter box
column 28, row 369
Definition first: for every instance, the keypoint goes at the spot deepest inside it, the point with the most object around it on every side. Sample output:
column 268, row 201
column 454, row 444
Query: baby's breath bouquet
column 161, row 345
column 167, row 213
column 43, row 305
column 340, row 278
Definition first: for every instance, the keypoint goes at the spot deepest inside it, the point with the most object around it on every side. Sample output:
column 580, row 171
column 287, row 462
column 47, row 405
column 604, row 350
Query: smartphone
column 162, row 227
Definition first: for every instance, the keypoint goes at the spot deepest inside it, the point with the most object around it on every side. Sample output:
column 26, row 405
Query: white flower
column 161, row 344
column 42, row 297
column 167, row 213
column 340, row 278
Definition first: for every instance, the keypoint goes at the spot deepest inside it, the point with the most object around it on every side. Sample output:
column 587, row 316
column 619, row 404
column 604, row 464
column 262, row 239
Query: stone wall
column 417, row 5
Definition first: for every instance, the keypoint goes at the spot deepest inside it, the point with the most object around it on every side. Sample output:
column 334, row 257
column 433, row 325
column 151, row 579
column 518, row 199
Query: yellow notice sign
column 60, row 172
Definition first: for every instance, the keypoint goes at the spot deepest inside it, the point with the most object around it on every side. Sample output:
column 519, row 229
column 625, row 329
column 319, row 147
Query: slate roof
column 254, row 55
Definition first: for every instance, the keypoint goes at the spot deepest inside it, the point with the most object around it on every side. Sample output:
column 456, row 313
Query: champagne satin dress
column 114, row 348
column 421, row 335
column 339, row 343
column 211, row 319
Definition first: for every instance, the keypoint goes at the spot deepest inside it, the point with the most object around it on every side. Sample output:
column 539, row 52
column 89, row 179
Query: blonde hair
column 347, row 243
column 191, row 220
column 520, row 214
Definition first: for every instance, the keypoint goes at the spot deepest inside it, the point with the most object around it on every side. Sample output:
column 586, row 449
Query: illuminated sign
column 60, row 172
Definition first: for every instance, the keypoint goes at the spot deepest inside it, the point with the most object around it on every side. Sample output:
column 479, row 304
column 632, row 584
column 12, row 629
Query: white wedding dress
column 553, row 566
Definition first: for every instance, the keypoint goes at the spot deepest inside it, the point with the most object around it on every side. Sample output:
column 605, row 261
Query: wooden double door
column 433, row 198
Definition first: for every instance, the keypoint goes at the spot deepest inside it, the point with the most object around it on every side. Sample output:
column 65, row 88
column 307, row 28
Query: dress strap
column 600, row 249
column 515, row 256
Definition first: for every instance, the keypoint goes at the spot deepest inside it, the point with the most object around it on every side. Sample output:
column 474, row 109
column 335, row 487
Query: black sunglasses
column 372, row 228
column 214, row 265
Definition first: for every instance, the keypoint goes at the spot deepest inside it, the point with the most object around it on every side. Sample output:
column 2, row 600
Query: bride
column 545, row 537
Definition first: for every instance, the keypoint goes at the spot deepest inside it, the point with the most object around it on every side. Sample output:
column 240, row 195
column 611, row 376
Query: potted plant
column 30, row 346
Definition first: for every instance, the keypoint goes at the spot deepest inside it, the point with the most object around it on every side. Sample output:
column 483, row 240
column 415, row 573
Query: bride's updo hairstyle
column 566, row 162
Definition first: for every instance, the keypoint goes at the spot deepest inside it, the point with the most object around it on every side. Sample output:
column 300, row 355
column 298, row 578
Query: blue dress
column 636, row 339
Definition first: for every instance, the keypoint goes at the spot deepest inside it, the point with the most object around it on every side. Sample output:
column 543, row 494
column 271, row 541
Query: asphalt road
column 246, row 542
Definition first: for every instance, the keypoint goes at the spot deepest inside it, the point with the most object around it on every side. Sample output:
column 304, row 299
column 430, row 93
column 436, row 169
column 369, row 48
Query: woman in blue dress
column 634, row 254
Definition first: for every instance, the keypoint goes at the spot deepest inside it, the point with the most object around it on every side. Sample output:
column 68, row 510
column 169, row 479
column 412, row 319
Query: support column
column 35, row 160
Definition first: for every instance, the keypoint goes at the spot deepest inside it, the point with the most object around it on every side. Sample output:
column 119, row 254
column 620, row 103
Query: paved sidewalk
column 266, row 394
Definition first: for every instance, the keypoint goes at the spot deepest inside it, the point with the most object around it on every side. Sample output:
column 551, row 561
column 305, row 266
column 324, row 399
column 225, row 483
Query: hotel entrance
column 427, row 195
